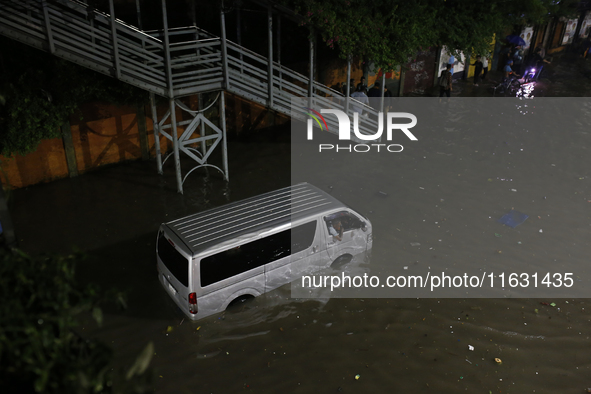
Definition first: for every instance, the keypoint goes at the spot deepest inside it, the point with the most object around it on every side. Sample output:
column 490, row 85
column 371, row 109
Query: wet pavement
column 357, row 345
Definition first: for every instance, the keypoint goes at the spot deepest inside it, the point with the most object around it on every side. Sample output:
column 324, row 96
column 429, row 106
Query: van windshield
column 177, row 264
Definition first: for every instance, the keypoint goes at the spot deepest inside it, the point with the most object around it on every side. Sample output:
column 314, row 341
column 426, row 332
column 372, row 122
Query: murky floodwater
column 444, row 193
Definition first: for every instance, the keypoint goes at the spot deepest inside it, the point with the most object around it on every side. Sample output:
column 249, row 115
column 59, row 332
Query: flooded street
column 433, row 206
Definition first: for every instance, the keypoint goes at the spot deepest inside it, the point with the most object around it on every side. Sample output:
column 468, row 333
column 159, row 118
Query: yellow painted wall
column 46, row 164
column 473, row 59
column 338, row 74
column 111, row 139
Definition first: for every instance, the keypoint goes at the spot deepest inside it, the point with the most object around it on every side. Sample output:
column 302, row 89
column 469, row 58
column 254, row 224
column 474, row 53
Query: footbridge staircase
column 173, row 63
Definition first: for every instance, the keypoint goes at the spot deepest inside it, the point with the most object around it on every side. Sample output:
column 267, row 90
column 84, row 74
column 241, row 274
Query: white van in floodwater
column 224, row 255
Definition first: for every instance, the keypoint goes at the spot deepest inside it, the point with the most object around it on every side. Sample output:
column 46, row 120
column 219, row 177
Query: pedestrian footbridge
column 172, row 63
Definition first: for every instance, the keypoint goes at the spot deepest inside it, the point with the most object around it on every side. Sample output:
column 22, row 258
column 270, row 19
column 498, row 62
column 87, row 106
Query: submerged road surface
column 433, row 206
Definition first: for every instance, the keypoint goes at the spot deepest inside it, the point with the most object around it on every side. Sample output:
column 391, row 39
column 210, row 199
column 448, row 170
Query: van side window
column 254, row 254
column 302, row 237
column 351, row 222
column 348, row 220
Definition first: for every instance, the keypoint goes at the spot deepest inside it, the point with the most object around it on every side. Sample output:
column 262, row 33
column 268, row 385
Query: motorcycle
column 529, row 75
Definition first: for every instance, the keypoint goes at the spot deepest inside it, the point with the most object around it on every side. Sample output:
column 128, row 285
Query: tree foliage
column 39, row 92
column 390, row 31
column 40, row 350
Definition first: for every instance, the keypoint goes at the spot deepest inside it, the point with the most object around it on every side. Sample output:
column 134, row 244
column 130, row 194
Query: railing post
column 311, row 83
column 279, row 50
column 224, row 49
column 114, row 37
column 140, row 26
column 239, row 33
column 270, row 57
column 156, row 133
column 194, row 20
column 139, row 15
column 166, row 44
column 48, row 26
column 90, row 18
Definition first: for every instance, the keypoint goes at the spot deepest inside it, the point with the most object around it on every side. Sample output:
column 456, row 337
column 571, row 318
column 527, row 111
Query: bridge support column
column 194, row 134
column 224, row 136
column 156, row 127
column 175, row 145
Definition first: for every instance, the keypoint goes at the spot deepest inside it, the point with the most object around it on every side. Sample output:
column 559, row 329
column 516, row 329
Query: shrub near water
column 40, row 350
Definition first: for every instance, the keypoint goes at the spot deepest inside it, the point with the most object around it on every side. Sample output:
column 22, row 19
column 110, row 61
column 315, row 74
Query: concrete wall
column 420, row 72
column 336, row 73
column 109, row 134
column 45, row 164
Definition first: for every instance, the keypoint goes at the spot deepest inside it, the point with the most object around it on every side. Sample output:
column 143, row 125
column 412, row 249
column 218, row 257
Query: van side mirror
column 364, row 226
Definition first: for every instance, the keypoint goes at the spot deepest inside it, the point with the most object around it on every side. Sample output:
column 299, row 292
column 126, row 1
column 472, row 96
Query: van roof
column 251, row 216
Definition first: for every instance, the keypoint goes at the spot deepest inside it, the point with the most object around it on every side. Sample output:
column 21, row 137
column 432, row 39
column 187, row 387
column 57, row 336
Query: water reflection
column 526, row 90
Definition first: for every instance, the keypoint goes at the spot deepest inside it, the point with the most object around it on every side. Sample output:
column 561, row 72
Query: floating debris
column 513, row 218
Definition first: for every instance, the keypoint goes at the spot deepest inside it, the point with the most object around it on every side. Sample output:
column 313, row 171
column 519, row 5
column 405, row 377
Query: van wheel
column 341, row 261
column 239, row 302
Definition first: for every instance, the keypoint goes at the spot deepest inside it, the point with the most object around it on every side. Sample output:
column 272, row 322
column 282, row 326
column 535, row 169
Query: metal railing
column 71, row 30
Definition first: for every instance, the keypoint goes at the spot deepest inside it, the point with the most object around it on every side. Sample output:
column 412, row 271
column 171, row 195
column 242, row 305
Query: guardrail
column 72, row 30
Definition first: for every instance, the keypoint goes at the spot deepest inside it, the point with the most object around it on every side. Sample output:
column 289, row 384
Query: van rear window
column 254, row 254
column 177, row 264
